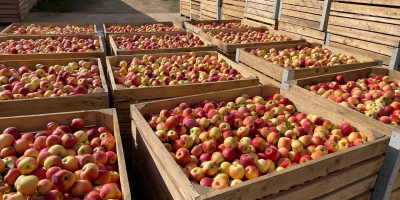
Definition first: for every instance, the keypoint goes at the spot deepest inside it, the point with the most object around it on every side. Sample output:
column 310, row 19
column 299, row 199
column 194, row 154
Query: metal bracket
column 277, row 5
column 183, row 25
column 327, row 38
column 389, row 169
column 190, row 17
column 280, row 9
column 395, row 59
column 287, row 76
column 325, row 15
column 380, row 63
column 201, row 7
column 237, row 55
column 219, row 10
column 245, row 7
column 214, row 48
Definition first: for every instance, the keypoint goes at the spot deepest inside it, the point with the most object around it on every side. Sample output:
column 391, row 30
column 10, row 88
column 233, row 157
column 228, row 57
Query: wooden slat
column 390, row 29
column 378, row 2
column 301, row 30
column 395, row 195
column 300, row 22
column 378, row 48
column 364, row 196
column 240, row 3
column 396, row 184
column 302, row 9
column 268, row 20
column 366, row 10
column 331, row 182
column 302, row 15
column 233, row 13
column 264, row 79
column 364, row 17
column 264, row 7
column 307, row 3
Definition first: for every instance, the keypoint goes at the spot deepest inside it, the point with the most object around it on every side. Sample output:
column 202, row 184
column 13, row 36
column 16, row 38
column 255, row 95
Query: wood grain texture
column 377, row 11
column 370, row 46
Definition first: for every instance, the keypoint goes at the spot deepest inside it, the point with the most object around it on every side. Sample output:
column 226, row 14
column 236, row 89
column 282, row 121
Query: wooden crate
column 185, row 8
column 195, row 10
column 260, row 13
column 16, row 107
column 368, row 25
column 275, row 74
column 13, row 10
column 123, row 97
column 296, row 86
column 303, row 18
column 173, row 184
column 209, row 9
column 117, row 51
column 229, row 50
column 191, row 25
column 96, row 54
column 60, row 24
column 103, row 117
column 233, row 9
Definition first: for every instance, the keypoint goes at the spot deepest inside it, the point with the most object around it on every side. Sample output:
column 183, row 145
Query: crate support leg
column 183, row 25
column 219, row 10
column 201, row 8
column 245, row 7
column 237, row 55
column 287, row 76
column 190, row 17
column 277, row 5
column 395, row 59
column 325, row 15
column 327, row 39
column 389, row 169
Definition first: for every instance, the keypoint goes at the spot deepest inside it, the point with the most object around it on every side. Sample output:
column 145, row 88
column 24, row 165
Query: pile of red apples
column 223, row 144
column 63, row 162
column 51, row 29
column 217, row 25
column 143, row 28
column 246, row 37
column 49, row 45
column 175, row 70
column 167, row 41
column 305, row 57
column 376, row 96
column 49, row 81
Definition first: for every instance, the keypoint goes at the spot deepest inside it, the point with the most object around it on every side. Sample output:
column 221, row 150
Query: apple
column 27, row 166
column 27, row 185
column 90, row 172
column 44, row 187
column 236, row 171
column 63, row 180
column 110, row 191
column 70, row 163
column 80, row 188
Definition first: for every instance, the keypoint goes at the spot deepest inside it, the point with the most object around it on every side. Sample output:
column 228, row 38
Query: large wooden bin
column 16, row 107
column 123, row 96
column 103, row 117
column 60, row 24
column 13, row 10
column 343, row 181
column 296, row 87
column 191, row 25
column 208, row 46
column 270, row 73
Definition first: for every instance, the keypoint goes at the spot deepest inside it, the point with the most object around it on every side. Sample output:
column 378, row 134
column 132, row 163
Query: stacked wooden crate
column 195, row 9
column 185, row 8
column 303, row 17
column 13, row 10
column 233, row 9
column 260, row 13
column 209, row 9
column 367, row 25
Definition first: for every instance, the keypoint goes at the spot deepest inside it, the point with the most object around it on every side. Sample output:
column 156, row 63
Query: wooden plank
column 260, row 13
column 379, row 2
column 365, row 17
column 233, row 13
column 378, row 48
column 363, row 196
column 302, row 15
column 268, row 20
column 239, row 3
column 353, row 189
column 390, row 29
column 365, row 35
column 366, row 10
column 264, row 79
column 395, row 195
column 300, row 22
column 301, row 30
column 228, row 17
column 302, row 9
column 265, row 7
column 308, row 3
column 331, row 182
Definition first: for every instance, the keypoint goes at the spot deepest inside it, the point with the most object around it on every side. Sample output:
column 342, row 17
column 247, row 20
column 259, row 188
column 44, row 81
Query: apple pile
column 137, row 42
column 223, row 144
column 376, row 96
column 249, row 36
column 304, row 57
column 143, row 28
column 51, row 29
column 217, row 25
column 175, row 70
column 49, row 81
column 63, row 162
column 49, row 45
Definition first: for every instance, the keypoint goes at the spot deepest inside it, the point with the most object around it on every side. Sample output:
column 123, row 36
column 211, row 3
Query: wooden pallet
column 17, row 107
column 303, row 17
column 95, row 54
column 373, row 27
column 275, row 74
column 229, row 50
column 117, row 51
column 13, row 10
column 103, row 117
column 296, row 86
column 123, row 97
column 173, row 184
column 60, row 24
column 260, row 12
